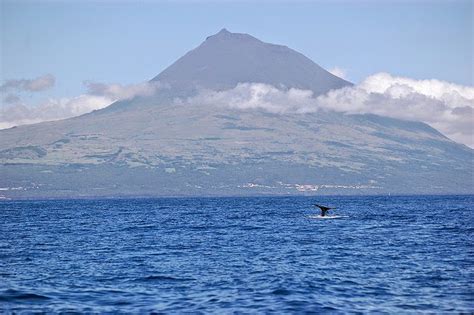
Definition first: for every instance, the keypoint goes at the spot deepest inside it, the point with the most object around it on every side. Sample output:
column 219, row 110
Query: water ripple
column 238, row 255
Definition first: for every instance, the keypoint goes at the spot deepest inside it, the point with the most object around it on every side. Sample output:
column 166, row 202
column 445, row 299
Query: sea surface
column 238, row 255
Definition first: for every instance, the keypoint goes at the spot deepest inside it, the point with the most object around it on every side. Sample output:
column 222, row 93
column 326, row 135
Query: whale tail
column 323, row 209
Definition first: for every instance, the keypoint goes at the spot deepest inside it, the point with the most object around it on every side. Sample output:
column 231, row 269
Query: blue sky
column 129, row 42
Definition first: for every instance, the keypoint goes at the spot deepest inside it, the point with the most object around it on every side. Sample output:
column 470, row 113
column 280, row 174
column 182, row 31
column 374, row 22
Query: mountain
column 160, row 146
column 226, row 59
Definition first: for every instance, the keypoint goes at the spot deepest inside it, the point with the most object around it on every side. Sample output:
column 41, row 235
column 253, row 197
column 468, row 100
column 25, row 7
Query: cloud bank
column 122, row 92
column 445, row 106
column 52, row 109
column 29, row 85
column 99, row 95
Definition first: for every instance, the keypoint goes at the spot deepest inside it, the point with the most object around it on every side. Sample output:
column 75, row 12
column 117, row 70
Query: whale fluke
column 323, row 209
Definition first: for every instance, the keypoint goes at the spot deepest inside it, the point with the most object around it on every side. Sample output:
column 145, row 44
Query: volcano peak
column 226, row 59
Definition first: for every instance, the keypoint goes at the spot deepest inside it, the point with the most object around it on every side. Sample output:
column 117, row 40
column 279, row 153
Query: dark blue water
column 224, row 255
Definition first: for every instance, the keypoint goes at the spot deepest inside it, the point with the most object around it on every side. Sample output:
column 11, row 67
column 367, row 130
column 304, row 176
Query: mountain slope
column 154, row 146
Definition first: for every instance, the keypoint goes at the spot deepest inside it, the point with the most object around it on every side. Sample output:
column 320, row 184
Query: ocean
column 394, row 254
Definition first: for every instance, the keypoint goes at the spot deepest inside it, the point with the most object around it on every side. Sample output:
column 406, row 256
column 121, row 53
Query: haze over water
column 218, row 255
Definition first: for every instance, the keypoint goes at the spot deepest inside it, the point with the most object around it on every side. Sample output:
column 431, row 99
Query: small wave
column 14, row 295
column 163, row 278
column 281, row 292
column 328, row 217
column 250, row 228
column 140, row 227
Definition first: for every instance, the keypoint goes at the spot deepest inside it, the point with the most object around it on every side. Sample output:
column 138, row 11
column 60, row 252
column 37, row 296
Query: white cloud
column 339, row 72
column 445, row 106
column 99, row 95
column 52, row 109
column 122, row 92
column 384, row 82
column 257, row 96
column 29, row 85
